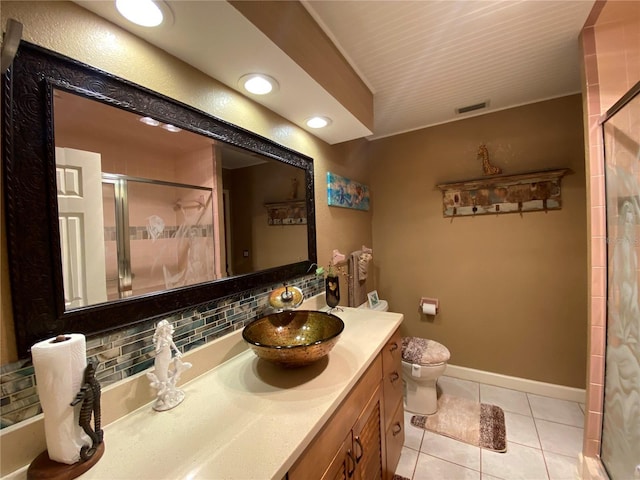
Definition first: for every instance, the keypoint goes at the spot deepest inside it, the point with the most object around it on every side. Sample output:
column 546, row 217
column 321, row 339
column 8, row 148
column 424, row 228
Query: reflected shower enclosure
column 138, row 204
column 122, row 236
column 146, row 207
column 158, row 235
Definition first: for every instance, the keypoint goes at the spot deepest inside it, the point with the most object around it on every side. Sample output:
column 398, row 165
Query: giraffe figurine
column 483, row 155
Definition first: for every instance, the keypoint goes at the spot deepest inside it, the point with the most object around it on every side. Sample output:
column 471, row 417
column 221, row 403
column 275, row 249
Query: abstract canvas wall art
column 343, row 192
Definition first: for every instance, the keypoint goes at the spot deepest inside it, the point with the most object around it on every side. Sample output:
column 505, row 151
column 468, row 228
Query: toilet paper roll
column 59, row 369
column 428, row 308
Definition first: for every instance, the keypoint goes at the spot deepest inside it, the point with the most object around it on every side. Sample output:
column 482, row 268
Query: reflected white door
column 79, row 184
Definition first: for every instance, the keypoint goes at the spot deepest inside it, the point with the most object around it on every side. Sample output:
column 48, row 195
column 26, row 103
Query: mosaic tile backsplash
column 126, row 352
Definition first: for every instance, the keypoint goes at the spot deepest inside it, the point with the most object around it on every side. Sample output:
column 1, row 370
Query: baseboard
column 515, row 383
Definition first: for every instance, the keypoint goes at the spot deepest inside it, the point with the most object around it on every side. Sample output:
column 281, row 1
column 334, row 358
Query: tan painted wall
column 78, row 33
column 512, row 289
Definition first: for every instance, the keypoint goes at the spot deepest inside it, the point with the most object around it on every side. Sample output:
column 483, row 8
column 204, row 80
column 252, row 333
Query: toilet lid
column 421, row 351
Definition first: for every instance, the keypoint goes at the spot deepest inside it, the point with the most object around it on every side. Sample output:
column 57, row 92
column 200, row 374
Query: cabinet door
column 367, row 440
column 343, row 465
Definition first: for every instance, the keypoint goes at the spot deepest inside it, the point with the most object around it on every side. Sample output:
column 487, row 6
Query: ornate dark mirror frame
column 31, row 203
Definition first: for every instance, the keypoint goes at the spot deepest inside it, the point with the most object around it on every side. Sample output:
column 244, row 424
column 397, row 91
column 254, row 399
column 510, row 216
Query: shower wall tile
column 598, row 311
column 596, row 371
column 597, row 191
column 598, row 253
column 598, row 222
column 598, row 277
column 595, row 118
column 588, row 38
column 595, row 402
column 596, row 161
column 126, row 352
column 593, row 105
column 591, row 69
column 598, row 337
column 591, row 447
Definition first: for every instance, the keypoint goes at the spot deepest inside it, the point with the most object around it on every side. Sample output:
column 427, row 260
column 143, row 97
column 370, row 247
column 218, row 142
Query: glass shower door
column 171, row 233
column 620, row 451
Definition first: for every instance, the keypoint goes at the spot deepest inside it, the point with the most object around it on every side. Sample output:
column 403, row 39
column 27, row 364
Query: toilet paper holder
column 430, row 301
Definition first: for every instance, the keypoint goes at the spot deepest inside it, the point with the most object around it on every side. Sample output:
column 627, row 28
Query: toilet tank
column 382, row 306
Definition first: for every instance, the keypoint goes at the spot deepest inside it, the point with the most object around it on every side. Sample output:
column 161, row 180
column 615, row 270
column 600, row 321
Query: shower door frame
column 608, row 463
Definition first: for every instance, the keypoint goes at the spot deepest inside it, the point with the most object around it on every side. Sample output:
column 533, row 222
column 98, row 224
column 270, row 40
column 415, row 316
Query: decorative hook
column 337, row 257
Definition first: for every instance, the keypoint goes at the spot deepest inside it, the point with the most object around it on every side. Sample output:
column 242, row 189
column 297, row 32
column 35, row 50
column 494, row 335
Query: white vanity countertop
column 245, row 419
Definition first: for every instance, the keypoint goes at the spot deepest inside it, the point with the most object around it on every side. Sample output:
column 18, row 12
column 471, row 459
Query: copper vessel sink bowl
column 293, row 338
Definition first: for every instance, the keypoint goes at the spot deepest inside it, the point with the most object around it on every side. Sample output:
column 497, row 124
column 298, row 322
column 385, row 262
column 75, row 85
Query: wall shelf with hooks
column 524, row 192
column 293, row 212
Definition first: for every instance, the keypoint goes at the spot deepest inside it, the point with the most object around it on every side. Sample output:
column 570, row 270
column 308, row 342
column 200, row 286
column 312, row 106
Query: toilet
column 423, row 362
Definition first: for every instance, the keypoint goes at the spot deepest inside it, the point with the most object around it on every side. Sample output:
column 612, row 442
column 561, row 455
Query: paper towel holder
column 42, row 467
column 430, row 301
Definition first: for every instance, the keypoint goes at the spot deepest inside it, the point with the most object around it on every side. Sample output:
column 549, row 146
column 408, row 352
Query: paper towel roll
column 429, row 308
column 59, row 369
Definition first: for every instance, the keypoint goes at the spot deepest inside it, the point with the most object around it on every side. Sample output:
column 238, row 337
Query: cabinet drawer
column 394, row 440
column 393, row 393
column 392, row 371
column 392, row 353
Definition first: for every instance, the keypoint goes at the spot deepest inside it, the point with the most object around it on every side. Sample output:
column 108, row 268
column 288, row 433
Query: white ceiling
column 421, row 59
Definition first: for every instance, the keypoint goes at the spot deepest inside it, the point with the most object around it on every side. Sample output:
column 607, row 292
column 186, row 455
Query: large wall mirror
column 123, row 204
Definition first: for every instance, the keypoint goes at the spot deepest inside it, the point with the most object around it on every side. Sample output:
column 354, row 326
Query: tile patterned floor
column 544, row 437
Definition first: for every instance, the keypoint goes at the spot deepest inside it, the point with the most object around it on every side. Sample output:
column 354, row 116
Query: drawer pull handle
column 394, row 377
column 350, row 472
column 359, row 445
column 397, row 428
column 393, row 346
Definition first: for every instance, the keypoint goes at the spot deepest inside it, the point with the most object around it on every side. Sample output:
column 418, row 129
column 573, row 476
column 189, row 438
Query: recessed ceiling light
column 150, row 121
column 171, row 128
column 258, row 83
column 318, row 122
column 141, row 12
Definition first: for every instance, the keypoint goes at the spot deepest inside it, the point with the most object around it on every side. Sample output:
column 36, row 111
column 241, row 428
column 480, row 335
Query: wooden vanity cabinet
column 352, row 444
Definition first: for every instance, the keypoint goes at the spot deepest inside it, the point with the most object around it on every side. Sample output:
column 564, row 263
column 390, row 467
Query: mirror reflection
column 146, row 207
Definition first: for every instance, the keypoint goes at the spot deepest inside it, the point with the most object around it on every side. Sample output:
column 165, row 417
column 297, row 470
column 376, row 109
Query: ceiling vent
column 471, row 108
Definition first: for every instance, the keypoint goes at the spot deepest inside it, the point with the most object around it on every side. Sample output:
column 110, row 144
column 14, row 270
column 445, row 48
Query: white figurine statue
column 164, row 379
